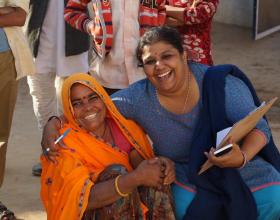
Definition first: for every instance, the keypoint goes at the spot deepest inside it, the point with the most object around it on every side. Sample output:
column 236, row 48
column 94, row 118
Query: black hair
column 157, row 34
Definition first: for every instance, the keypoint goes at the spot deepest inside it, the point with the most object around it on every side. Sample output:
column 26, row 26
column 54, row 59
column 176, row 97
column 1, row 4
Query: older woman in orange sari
column 106, row 159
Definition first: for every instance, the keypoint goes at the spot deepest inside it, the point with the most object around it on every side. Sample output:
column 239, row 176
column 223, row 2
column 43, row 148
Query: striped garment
column 151, row 13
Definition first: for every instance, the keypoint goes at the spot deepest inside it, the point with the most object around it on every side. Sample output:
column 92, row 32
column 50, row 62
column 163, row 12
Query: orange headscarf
column 65, row 187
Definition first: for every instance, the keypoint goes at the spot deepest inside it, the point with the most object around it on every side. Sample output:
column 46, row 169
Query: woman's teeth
column 90, row 117
column 164, row 74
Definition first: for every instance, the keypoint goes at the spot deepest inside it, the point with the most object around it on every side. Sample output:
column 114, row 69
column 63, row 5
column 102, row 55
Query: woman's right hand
column 50, row 134
column 232, row 159
column 149, row 173
column 173, row 22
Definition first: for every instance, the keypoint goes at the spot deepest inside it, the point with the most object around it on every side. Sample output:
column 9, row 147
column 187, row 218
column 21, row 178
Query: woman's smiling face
column 164, row 66
column 89, row 109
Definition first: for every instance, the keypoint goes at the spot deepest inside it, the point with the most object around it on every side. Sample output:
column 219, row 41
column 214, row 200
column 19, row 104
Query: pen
column 62, row 136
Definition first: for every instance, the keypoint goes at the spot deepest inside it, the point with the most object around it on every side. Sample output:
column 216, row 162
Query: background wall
column 238, row 12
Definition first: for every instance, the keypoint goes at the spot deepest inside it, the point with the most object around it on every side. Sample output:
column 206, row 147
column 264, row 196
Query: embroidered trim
column 185, row 187
column 81, row 197
column 264, row 186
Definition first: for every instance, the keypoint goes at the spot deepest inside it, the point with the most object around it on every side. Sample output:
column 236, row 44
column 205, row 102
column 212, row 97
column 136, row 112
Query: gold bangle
column 118, row 189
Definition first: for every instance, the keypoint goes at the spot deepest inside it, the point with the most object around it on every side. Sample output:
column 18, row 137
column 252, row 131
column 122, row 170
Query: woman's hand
column 175, row 12
column 149, row 173
column 173, row 22
column 50, row 134
column 233, row 159
column 169, row 170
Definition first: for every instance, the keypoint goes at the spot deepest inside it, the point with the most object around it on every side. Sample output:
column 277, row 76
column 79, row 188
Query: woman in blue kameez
column 182, row 107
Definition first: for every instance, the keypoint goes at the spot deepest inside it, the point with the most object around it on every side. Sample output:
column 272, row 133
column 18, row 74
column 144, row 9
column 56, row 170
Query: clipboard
column 240, row 129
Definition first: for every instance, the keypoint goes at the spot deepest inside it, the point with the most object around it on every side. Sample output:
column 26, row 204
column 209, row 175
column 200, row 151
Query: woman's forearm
column 253, row 143
column 148, row 173
column 240, row 155
column 105, row 193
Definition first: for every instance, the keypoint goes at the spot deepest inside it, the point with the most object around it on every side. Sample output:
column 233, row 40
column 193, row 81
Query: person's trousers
column 267, row 201
column 45, row 89
column 8, row 94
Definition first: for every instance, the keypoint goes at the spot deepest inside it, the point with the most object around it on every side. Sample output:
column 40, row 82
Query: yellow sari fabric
column 65, row 187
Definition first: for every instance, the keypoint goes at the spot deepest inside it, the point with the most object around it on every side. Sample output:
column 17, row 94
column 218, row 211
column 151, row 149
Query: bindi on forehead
column 157, row 53
column 85, row 97
column 79, row 91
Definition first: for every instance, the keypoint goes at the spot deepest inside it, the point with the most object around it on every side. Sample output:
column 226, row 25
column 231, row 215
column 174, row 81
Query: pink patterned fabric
column 120, row 141
column 196, row 32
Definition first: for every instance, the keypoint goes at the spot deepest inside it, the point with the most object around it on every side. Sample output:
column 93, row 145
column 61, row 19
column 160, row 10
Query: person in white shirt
column 59, row 51
column 115, row 26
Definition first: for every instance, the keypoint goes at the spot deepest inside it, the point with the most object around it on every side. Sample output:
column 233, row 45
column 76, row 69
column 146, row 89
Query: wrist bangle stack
column 118, row 189
column 56, row 117
column 245, row 160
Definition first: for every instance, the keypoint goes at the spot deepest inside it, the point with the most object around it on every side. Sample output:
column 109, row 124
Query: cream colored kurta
column 18, row 43
column 119, row 68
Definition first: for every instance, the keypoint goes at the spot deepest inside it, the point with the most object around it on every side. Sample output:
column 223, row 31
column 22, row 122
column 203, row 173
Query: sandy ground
column 231, row 44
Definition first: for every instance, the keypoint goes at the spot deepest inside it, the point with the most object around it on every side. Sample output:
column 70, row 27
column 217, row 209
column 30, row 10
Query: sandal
column 6, row 214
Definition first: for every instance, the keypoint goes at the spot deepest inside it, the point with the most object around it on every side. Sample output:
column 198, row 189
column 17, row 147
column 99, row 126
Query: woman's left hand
column 169, row 170
column 233, row 159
